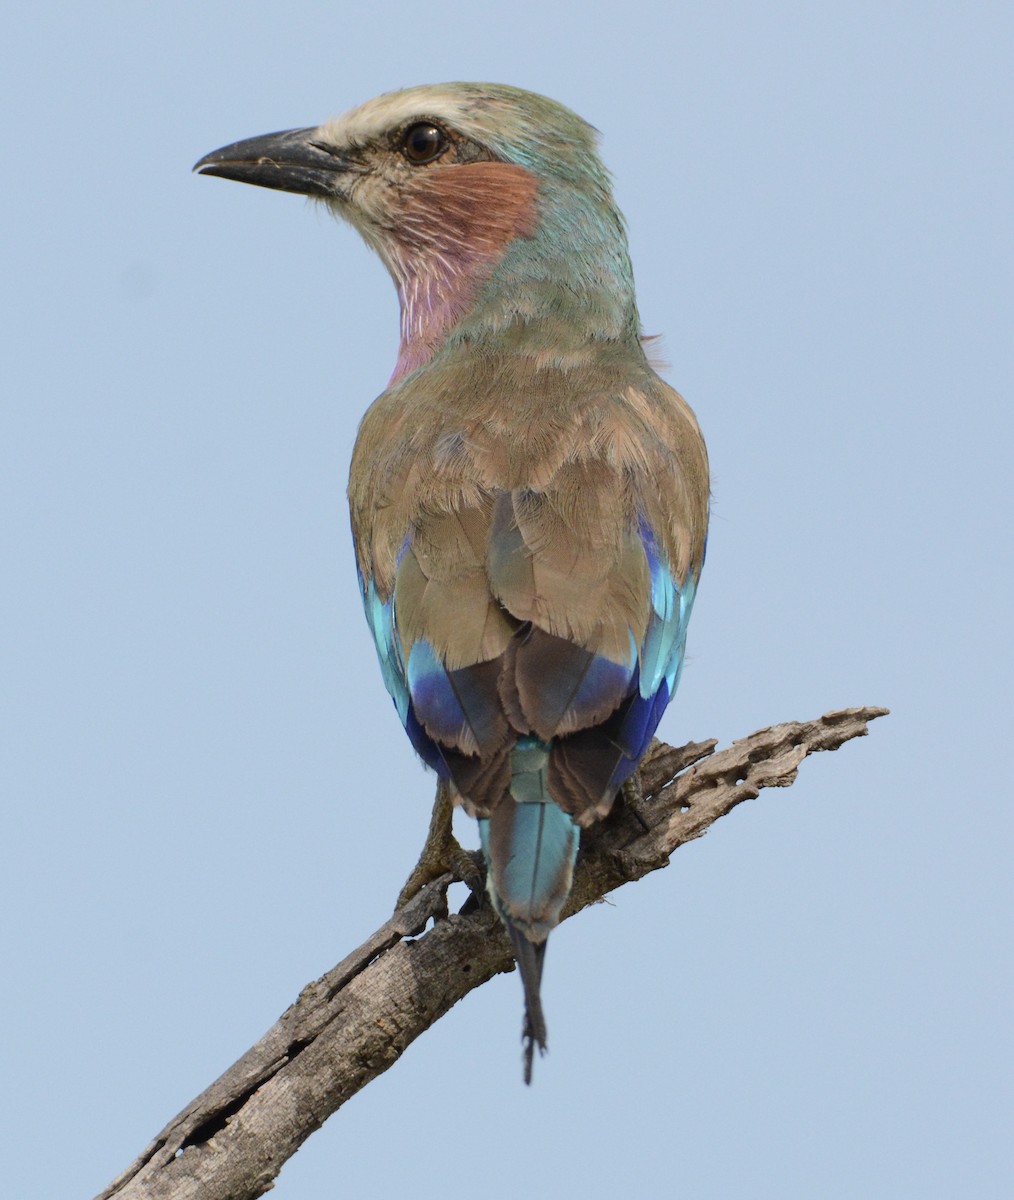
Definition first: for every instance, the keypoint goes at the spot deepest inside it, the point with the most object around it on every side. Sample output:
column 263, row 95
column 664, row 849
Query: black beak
column 289, row 161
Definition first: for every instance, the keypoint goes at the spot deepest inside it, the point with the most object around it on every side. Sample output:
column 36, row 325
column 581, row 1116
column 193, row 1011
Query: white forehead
column 377, row 117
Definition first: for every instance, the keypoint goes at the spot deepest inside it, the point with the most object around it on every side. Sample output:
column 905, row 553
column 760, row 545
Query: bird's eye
column 423, row 142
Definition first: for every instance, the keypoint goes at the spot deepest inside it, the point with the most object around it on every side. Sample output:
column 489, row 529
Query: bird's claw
column 442, row 854
column 632, row 795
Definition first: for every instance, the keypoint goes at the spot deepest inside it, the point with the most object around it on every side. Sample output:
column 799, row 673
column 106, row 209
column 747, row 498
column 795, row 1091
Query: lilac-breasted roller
column 529, row 499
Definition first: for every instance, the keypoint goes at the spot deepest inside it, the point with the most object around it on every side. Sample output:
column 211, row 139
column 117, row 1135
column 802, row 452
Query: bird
column 529, row 499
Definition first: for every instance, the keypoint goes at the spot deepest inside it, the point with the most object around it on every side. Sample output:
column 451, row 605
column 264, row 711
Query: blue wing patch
column 660, row 661
column 665, row 639
column 380, row 617
column 433, row 696
column 442, row 711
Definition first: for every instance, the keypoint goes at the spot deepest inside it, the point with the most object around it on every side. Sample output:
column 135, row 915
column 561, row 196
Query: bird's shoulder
column 586, row 452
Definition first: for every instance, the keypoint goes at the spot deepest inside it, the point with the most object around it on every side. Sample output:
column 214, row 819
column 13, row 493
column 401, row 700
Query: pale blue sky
column 207, row 799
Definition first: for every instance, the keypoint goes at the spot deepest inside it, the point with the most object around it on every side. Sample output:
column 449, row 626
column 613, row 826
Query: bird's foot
column 632, row 794
column 442, row 854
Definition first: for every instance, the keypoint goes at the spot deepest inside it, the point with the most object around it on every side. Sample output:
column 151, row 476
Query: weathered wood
column 352, row 1024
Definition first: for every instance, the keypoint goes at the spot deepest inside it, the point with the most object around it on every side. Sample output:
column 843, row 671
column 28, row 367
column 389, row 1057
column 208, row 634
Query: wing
column 594, row 762
column 528, row 568
column 505, row 623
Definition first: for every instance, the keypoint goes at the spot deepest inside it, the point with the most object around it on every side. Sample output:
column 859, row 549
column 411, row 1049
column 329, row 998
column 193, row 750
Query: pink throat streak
column 452, row 232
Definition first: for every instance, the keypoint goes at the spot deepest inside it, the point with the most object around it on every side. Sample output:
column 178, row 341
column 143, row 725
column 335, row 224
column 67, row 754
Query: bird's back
column 529, row 536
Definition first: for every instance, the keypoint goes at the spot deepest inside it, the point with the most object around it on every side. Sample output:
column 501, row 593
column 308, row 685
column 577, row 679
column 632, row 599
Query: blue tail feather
column 530, row 957
column 530, row 846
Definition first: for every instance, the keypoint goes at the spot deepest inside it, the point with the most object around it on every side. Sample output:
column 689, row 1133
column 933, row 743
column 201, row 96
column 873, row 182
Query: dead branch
column 351, row 1025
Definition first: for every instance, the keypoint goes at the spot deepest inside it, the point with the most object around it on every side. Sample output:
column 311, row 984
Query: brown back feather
column 523, row 551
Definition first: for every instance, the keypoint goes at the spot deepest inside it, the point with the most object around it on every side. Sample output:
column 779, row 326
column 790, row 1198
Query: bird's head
column 486, row 202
